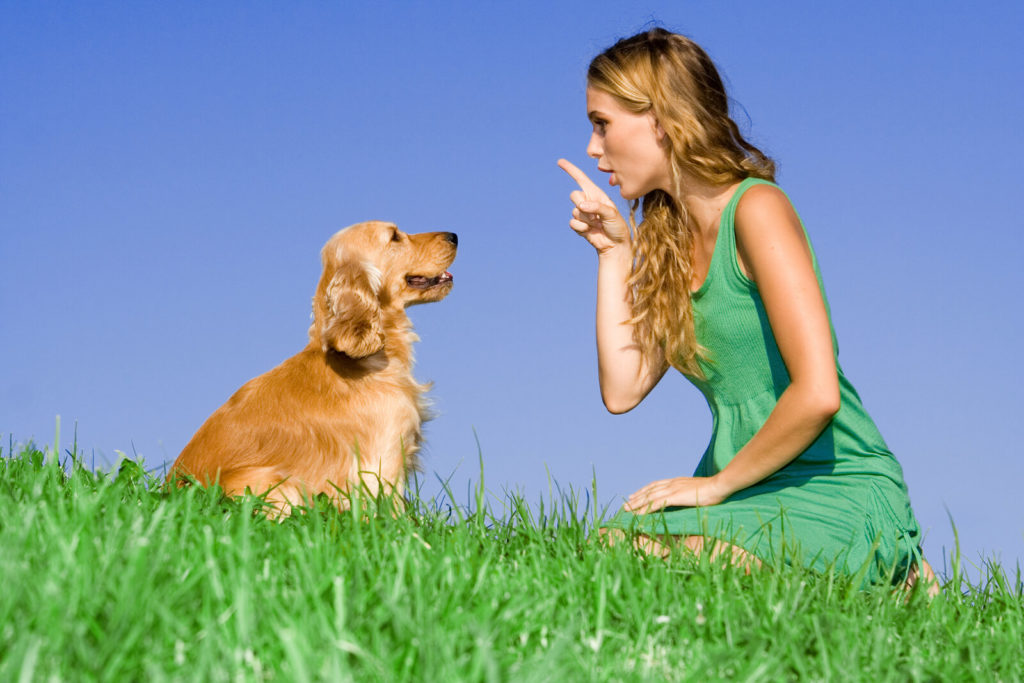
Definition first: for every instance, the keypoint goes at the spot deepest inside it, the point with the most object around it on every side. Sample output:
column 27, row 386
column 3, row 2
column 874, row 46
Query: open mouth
column 423, row 282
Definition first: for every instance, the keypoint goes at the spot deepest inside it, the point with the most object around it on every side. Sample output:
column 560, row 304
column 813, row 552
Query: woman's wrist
column 619, row 252
column 719, row 488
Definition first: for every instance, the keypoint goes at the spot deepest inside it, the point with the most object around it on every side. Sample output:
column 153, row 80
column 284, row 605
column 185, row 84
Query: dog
column 345, row 413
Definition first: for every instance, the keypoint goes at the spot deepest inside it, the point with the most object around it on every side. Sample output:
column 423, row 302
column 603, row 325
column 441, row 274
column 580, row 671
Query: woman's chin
column 633, row 193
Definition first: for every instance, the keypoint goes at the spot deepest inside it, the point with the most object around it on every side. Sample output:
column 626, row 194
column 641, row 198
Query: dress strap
column 724, row 262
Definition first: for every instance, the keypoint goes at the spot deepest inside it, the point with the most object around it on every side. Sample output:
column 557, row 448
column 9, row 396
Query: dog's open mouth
column 423, row 282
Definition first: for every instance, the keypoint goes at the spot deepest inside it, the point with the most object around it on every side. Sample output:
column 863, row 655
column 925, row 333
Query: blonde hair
column 670, row 76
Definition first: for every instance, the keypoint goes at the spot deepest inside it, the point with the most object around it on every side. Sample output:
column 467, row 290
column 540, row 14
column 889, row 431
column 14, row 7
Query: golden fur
column 345, row 412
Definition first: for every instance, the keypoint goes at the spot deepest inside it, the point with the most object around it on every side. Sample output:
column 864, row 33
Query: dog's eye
column 395, row 237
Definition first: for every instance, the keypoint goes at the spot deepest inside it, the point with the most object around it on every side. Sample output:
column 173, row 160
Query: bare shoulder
column 767, row 227
column 762, row 206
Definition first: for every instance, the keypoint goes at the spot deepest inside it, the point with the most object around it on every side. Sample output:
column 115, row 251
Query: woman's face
column 628, row 146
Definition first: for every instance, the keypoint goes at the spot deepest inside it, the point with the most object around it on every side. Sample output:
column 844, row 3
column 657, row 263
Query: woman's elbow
column 623, row 392
column 617, row 404
column 827, row 404
column 817, row 404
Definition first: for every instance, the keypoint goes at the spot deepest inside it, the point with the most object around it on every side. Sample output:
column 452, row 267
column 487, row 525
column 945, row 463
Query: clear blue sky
column 169, row 172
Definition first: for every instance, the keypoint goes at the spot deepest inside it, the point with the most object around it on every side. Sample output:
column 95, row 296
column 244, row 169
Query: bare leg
column 662, row 546
column 738, row 557
column 646, row 544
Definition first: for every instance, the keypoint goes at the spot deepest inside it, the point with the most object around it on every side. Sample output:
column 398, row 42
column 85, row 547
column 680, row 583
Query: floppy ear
column 349, row 314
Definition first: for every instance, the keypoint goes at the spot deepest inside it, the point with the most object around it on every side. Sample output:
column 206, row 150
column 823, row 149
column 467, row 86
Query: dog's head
column 370, row 268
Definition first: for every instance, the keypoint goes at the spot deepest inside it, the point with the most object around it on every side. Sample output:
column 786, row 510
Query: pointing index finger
column 585, row 183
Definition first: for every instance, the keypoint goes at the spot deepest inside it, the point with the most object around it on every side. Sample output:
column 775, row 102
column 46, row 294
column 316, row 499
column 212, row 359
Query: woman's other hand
column 680, row 491
column 594, row 215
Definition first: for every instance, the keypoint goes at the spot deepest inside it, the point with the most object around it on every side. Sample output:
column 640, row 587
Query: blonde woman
column 720, row 282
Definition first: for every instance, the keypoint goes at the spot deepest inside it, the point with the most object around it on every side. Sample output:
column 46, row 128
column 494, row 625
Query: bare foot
column 922, row 572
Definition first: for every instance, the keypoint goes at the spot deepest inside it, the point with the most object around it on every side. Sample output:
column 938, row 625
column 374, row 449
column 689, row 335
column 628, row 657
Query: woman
column 720, row 282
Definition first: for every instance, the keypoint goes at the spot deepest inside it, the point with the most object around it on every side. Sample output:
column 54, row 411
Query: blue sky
column 169, row 172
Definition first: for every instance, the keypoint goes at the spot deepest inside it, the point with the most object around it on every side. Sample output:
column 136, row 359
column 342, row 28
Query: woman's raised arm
column 626, row 376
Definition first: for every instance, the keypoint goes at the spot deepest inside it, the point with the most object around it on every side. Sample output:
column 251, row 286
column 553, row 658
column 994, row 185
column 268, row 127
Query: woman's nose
column 594, row 148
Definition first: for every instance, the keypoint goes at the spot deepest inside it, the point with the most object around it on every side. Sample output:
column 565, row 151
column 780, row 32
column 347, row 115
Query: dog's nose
column 452, row 237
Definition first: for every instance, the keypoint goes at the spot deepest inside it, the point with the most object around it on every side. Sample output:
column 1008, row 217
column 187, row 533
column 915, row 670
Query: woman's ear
column 347, row 313
column 659, row 131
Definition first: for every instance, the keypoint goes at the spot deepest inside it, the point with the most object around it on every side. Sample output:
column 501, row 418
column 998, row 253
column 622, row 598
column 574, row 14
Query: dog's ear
column 349, row 314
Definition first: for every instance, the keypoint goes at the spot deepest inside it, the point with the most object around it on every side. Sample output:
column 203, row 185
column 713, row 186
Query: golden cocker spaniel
column 345, row 412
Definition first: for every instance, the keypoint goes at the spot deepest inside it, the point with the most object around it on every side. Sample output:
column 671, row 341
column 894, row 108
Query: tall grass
column 108, row 576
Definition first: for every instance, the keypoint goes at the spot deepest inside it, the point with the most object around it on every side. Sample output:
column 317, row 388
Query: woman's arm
column 773, row 251
column 625, row 375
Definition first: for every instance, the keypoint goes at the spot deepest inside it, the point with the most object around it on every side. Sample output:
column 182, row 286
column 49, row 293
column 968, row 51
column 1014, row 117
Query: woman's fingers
column 587, row 216
column 644, row 498
column 579, row 226
column 605, row 211
column 590, row 189
column 585, row 183
column 588, row 207
column 645, row 504
column 585, row 223
column 595, row 217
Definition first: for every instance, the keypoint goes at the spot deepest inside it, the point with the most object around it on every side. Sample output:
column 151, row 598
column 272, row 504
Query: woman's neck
column 705, row 203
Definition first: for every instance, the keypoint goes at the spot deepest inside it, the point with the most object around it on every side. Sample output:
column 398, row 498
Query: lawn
column 110, row 576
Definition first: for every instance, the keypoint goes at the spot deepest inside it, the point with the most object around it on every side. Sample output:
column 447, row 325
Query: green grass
column 107, row 576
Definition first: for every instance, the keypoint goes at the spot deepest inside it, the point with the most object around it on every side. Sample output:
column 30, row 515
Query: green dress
column 842, row 503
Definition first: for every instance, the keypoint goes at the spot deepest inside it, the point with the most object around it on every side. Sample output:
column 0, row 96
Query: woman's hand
column 681, row 491
column 595, row 216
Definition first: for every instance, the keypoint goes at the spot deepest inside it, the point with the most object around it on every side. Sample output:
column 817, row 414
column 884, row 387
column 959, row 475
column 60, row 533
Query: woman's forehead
column 600, row 102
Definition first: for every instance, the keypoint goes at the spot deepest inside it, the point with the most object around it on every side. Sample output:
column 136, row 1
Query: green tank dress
column 841, row 504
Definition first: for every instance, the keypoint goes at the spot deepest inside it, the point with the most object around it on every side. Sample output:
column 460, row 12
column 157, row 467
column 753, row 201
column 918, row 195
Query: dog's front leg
column 377, row 470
